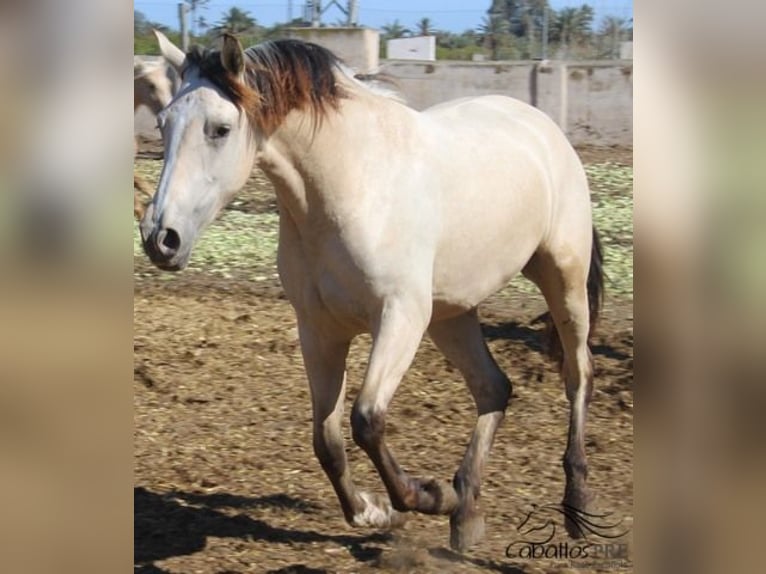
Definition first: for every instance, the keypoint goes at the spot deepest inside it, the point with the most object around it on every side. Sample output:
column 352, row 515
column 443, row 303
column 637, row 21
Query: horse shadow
column 179, row 523
column 532, row 338
column 447, row 555
column 535, row 339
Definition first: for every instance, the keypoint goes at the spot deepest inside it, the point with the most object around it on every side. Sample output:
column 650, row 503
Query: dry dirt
column 225, row 477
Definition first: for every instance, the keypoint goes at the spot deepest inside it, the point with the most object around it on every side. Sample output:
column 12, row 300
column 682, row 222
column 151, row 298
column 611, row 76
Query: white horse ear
column 232, row 56
column 172, row 53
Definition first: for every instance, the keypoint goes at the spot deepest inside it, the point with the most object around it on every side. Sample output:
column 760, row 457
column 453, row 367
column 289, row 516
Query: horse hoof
column 398, row 519
column 466, row 529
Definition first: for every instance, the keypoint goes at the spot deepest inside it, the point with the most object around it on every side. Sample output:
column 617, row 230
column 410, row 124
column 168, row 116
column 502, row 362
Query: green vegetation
column 245, row 243
column 512, row 29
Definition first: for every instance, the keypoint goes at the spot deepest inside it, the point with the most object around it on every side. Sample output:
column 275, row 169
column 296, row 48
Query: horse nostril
column 168, row 242
column 171, row 240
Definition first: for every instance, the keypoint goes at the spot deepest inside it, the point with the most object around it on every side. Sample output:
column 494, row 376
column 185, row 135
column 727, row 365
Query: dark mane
column 280, row 76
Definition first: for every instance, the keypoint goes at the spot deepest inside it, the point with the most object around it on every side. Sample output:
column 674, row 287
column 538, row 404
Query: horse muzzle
column 163, row 245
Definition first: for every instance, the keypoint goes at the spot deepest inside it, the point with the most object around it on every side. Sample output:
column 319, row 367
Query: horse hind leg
column 572, row 291
column 461, row 341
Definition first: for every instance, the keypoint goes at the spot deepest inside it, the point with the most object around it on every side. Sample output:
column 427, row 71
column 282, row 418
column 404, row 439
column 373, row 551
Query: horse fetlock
column 436, row 497
column 577, row 500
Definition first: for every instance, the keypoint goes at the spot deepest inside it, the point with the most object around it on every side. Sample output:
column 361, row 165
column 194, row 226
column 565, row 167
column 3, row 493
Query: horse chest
column 322, row 279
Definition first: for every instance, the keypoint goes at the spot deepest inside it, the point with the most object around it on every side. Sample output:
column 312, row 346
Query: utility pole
column 316, row 12
column 183, row 12
column 313, row 11
column 545, row 33
column 353, row 13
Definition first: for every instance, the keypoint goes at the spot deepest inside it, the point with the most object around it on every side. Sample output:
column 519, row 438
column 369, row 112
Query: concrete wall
column 592, row 101
column 415, row 48
column 358, row 47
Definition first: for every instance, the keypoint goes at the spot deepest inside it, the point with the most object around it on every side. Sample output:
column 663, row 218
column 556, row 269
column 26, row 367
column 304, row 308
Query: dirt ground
column 225, row 477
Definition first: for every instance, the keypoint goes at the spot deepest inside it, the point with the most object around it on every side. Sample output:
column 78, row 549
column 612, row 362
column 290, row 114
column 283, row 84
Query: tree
column 202, row 25
column 194, row 5
column 395, row 30
column 424, row 27
column 144, row 41
column 611, row 31
column 524, row 18
column 572, row 25
column 140, row 23
column 495, row 34
column 236, row 21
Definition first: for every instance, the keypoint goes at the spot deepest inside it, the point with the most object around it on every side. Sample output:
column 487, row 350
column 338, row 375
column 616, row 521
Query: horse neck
column 300, row 160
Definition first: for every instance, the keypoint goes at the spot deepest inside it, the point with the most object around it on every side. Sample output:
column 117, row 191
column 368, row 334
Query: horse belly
column 460, row 291
column 487, row 246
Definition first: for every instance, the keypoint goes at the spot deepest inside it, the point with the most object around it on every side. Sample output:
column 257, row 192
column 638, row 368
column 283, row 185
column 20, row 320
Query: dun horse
column 393, row 222
column 153, row 88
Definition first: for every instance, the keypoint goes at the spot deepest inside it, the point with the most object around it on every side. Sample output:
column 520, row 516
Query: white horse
column 153, row 87
column 393, row 222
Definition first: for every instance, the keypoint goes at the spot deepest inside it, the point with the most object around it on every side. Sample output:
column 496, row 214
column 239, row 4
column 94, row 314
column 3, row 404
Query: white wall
column 591, row 101
column 358, row 47
column 416, row 48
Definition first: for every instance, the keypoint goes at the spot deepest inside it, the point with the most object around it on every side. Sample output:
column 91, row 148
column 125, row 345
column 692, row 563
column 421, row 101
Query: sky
column 452, row 15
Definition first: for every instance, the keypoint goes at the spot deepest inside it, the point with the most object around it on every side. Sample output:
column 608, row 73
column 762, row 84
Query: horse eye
column 221, row 132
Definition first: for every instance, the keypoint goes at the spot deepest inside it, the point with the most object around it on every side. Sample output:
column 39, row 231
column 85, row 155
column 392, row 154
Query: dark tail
column 595, row 300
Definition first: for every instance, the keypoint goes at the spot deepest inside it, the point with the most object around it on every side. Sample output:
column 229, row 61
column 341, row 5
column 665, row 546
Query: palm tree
column 495, row 33
column 194, row 5
column 236, row 21
column 424, row 27
column 202, row 24
column 395, row 30
column 572, row 25
column 612, row 29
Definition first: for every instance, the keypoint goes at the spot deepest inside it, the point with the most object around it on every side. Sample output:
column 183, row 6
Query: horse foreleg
column 325, row 361
column 139, row 185
column 462, row 342
column 395, row 342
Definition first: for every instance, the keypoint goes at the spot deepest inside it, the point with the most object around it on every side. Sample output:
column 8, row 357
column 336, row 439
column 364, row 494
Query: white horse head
column 208, row 151
column 228, row 104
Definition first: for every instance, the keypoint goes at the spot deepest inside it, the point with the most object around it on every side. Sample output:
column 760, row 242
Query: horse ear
column 172, row 53
column 232, row 56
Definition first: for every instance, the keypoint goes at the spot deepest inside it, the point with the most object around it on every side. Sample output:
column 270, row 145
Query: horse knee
column 367, row 426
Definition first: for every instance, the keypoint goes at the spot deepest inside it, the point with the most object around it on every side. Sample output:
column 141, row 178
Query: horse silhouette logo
column 539, row 526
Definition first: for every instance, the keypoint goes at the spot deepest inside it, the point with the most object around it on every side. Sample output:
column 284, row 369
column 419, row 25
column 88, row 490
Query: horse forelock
column 280, row 76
